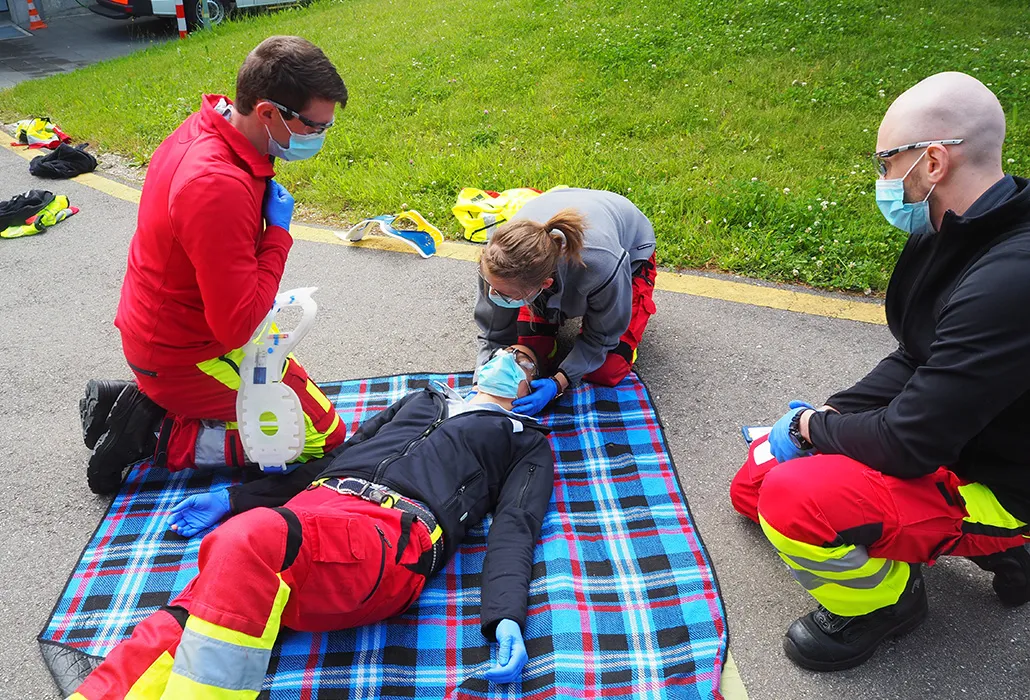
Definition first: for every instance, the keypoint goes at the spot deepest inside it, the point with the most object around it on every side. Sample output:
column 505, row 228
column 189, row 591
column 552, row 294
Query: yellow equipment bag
column 39, row 132
column 480, row 212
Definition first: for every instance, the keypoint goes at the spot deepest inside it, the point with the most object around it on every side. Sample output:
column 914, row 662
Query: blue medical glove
column 543, row 393
column 780, row 444
column 278, row 205
column 198, row 513
column 511, row 653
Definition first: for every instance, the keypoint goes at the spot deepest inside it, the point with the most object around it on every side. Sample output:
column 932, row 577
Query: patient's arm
column 523, row 501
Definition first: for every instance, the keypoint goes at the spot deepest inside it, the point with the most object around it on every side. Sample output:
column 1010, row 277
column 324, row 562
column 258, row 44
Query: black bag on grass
column 63, row 162
column 14, row 211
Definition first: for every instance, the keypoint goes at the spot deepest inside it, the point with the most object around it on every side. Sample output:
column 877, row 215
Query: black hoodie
column 956, row 392
column 462, row 467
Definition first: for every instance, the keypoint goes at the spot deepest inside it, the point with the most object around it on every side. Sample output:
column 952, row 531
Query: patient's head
column 508, row 373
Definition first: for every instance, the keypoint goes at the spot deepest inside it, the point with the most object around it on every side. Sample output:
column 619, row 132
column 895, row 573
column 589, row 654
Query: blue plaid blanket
column 623, row 601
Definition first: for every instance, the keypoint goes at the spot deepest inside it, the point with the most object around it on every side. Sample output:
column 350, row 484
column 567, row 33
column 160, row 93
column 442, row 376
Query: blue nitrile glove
column 278, row 205
column 780, row 444
column 198, row 513
column 543, row 393
column 511, row 653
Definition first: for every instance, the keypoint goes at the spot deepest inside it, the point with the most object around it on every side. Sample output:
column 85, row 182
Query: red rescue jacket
column 203, row 269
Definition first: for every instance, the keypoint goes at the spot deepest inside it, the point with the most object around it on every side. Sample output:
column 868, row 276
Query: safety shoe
column 824, row 641
column 1011, row 570
column 129, row 438
column 95, row 406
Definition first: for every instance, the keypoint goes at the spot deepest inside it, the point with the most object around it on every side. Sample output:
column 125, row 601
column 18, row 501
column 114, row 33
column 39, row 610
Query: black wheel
column 217, row 9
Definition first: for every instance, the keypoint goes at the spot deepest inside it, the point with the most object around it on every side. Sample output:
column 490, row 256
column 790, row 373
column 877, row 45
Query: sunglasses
column 522, row 359
column 319, row 127
column 880, row 157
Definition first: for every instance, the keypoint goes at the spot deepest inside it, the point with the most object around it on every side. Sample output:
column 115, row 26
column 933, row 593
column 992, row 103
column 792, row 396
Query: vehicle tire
column 218, row 9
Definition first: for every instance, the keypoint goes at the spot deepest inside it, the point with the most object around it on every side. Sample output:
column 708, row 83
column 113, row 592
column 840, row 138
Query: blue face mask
column 506, row 303
column 911, row 217
column 302, row 146
column 501, row 376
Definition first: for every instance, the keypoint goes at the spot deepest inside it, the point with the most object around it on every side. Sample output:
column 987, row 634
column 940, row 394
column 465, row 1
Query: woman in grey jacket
column 569, row 253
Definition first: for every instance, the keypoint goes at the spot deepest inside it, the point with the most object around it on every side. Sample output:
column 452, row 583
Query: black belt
column 388, row 498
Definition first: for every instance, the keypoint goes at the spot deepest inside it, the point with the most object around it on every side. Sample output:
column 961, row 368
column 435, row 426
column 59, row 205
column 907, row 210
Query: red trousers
column 200, row 428
column 346, row 562
column 535, row 332
column 832, row 500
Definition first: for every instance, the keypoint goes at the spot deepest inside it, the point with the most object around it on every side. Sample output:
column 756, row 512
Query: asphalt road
column 711, row 366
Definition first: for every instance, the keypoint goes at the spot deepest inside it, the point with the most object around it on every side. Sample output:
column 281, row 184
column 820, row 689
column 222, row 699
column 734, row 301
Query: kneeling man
column 927, row 455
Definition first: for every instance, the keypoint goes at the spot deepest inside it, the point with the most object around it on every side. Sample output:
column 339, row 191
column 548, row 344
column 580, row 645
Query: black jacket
column 956, row 392
column 462, row 468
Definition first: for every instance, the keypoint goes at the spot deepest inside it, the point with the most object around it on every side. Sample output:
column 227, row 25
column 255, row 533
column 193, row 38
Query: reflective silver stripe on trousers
column 855, row 559
column 209, row 450
column 220, row 664
column 812, row 581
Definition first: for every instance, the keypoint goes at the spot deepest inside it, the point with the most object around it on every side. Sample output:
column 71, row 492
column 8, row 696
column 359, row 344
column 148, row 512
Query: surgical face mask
column 509, row 303
column 501, row 376
column 911, row 217
column 302, row 146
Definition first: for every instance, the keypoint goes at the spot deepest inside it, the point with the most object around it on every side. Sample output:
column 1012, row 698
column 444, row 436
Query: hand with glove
column 782, row 445
column 542, row 392
column 198, row 513
column 511, row 653
column 278, row 205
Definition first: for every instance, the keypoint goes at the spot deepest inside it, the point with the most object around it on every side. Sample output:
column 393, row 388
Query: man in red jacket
column 204, row 268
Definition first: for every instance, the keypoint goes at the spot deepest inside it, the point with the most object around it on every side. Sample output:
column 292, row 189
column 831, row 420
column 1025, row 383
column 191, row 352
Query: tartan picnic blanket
column 623, row 600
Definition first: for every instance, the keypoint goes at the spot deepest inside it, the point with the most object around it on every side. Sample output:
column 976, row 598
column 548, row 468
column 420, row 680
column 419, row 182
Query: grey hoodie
column 618, row 238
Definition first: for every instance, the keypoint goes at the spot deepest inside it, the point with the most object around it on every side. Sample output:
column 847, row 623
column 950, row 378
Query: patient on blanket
column 350, row 539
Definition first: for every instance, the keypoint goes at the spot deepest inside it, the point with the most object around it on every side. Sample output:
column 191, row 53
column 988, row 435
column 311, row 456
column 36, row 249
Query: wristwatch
column 794, row 431
column 561, row 391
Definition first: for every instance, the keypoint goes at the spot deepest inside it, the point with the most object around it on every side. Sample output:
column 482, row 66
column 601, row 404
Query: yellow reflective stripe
column 436, row 534
column 803, row 549
column 267, row 638
column 76, row 696
column 314, row 441
column 152, row 683
column 983, row 507
column 219, row 369
column 851, row 602
column 827, row 576
column 318, row 396
column 180, row 687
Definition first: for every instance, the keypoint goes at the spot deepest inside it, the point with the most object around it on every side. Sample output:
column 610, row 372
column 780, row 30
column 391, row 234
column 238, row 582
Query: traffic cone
column 34, row 21
column 180, row 18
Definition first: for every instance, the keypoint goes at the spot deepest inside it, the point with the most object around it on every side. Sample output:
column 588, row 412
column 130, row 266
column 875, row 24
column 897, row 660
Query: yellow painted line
column 694, row 285
column 732, row 685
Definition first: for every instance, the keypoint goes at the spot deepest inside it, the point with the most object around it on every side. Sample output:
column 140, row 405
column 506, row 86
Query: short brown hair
column 527, row 252
column 289, row 70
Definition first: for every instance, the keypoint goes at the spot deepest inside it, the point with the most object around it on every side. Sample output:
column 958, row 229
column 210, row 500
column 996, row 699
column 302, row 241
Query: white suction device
column 269, row 413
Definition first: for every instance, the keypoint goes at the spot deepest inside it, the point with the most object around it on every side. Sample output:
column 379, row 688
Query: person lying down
column 350, row 539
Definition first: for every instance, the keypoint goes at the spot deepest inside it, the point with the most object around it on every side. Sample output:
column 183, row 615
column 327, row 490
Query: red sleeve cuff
column 277, row 237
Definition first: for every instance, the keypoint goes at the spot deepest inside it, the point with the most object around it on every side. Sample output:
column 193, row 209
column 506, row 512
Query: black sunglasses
column 319, row 127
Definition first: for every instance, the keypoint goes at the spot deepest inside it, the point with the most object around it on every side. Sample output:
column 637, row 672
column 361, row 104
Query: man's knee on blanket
column 239, row 565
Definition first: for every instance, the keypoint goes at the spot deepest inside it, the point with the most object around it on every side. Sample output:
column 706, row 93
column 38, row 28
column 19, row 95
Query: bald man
column 927, row 455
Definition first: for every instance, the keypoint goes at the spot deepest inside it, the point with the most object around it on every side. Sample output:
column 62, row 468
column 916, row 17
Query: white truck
column 218, row 10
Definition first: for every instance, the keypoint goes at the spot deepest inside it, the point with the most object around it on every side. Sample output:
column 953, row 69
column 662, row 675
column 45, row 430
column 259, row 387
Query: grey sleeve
column 498, row 327
column 609, row 309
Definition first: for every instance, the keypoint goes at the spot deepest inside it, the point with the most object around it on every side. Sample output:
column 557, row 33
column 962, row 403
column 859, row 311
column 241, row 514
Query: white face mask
column 911, row 217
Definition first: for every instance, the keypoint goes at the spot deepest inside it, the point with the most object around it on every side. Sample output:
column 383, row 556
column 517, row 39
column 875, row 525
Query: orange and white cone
column 180, row 18
column 34, row 20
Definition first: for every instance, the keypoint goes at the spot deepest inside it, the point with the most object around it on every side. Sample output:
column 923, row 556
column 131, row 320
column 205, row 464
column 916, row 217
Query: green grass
column 742, row 129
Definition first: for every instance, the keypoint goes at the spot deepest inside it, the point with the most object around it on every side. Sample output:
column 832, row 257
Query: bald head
column 948, row 106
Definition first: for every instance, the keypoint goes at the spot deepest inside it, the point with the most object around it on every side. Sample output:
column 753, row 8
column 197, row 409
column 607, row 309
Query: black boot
column 128, row 439
column 95, row 406
column 823, row 641
column 1011, row 570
